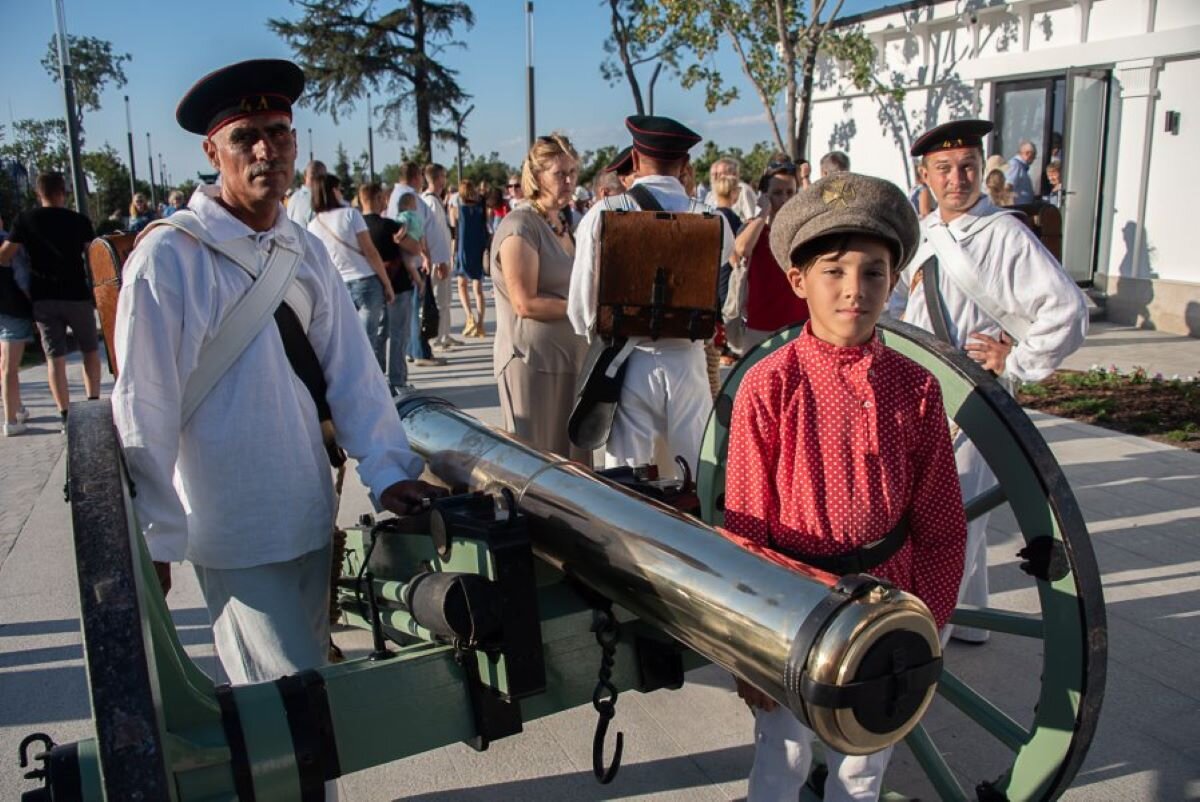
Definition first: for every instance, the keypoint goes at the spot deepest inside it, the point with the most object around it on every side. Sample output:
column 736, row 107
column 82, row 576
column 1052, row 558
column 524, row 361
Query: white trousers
column 665, row 403
column 270, row 620
column 975, row 477
column 783, row 753
column 442, row 296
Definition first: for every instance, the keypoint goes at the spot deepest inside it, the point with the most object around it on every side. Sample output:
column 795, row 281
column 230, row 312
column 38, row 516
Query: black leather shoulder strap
column 645, row 200
column 933, row 299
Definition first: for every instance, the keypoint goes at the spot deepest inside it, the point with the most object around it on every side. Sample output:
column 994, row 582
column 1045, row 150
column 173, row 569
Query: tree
column 109, row 181
column 38, row 145
column 632, row 44
column 94, row 66
column 348, row 49
column 777, row 44
column 341, row 169
column 490, row 168
column 592, row 162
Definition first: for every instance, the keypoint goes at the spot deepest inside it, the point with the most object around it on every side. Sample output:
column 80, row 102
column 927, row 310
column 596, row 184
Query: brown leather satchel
column 105, row 257
column 658, row 274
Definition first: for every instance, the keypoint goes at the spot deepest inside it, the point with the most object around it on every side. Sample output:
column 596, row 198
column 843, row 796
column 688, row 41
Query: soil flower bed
column 1163, row 409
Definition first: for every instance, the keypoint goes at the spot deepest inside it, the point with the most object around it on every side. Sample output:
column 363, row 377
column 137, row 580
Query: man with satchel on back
column 983, row 282
column 642, row 391
column 238, row 347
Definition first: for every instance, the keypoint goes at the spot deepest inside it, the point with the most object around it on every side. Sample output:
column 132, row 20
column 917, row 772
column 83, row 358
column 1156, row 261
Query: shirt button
column 866, row 404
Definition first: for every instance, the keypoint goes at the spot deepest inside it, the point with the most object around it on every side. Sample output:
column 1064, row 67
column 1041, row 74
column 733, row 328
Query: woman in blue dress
column 471, row 244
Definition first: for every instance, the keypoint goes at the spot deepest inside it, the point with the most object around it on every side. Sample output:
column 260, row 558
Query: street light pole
column 162, row 176
column 129, row 135
column 150, row 157
column 68, row 81
column 458, row 123
column 370, row 140
column 310, row 148
column 529, row 68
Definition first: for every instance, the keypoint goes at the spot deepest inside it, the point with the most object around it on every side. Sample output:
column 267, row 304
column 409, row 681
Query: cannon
column 540, row 586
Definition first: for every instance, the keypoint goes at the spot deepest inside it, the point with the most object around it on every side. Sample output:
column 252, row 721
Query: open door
column 1083, row 170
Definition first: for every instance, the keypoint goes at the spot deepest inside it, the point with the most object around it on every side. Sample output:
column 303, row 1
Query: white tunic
column 437, row 230
column 246, row 482
column 1023, row 278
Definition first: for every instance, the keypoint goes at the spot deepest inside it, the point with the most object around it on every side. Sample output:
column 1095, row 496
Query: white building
column 1112, row 87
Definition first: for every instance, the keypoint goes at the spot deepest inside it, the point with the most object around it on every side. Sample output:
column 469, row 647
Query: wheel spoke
column 994, row 620
column 983, row 712
column 931, row 760
column 985, row 502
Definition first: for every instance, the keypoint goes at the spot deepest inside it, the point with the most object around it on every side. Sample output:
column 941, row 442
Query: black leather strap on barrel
column 239, row 759
column 307, row 707
column 845, row 591
column 879, row 691
column 859, row 560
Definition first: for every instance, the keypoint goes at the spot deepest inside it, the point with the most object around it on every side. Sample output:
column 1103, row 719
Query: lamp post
column 370, row 140
column 529, row 68
column 310, row 147
column 129, row 135
column 150, row 157
column 68, row 82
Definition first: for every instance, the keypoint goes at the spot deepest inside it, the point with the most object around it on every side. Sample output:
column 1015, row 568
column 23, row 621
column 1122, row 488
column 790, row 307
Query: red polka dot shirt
column 830, row 446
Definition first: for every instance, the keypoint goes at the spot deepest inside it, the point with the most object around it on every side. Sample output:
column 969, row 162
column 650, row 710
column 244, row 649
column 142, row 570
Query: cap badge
column 255, row 103
column 838, row 191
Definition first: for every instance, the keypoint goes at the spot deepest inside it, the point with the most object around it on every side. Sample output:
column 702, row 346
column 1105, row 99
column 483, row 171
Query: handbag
column 430, row 318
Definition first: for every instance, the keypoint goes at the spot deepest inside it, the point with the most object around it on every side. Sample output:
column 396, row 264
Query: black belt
column 856, row 561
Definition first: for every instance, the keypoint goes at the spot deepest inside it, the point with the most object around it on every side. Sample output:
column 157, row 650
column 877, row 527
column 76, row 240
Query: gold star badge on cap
column 838, row 191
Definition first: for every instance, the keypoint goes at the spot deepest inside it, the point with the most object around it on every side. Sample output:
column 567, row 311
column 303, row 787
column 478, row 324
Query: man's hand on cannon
column 164, row 576
column 990, row 352
column 753, row 696
column 408, row 497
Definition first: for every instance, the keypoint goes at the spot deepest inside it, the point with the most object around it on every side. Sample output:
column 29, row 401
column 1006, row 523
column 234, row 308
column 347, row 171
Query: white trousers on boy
column 783, row 753
column 975, row 477
column 665, row 397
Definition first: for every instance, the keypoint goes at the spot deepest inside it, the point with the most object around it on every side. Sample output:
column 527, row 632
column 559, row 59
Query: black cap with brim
column 622, row 165
column 661, row 137
column 952, row 136
column 240, row 90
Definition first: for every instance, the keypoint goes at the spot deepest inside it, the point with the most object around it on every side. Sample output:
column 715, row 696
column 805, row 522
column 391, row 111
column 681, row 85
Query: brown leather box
column 658, row 274
column 105, row 257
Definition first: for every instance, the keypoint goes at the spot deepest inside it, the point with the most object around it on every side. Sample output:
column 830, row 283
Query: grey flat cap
column 847, row 203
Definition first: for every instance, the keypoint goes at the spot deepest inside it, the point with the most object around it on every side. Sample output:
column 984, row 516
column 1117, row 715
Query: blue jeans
column 418, row 347
column 367, row 295
column 399, row 330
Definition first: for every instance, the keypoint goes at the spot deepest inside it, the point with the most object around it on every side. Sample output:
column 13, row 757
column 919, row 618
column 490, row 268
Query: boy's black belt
column 856, row 561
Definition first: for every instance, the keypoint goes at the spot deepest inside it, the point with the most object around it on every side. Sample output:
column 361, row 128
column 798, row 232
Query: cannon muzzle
column 853, row 657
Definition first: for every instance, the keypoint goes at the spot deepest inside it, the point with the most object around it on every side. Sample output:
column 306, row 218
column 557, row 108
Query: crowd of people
column 369, row 282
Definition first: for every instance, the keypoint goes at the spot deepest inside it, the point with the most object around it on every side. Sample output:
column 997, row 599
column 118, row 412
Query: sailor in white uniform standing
column 983, row 282
column 665, row 397
column 221, row 418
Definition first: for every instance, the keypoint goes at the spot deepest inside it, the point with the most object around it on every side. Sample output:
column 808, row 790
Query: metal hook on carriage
column 605, row 775
column 48, row 743
column 607, row 635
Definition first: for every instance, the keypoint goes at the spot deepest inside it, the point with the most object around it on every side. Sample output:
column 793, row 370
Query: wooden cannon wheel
column 1066, row 644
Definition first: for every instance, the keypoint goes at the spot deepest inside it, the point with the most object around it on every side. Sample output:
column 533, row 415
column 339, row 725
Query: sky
column 174, row 43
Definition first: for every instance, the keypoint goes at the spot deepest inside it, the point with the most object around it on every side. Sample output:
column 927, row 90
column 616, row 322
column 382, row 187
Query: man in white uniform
column 242, row 486
column 665, row 395
column 1007, row 302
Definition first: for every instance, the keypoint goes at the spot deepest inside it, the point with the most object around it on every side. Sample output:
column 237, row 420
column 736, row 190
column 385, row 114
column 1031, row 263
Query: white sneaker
column 22, row 415
column 14, row 428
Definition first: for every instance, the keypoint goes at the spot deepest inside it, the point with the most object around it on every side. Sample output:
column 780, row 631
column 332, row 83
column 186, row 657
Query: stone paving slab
column 1141, row 500
column 1128, row 347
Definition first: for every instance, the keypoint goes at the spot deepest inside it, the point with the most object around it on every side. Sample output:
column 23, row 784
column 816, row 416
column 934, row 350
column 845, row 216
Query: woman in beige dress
column 537, row 356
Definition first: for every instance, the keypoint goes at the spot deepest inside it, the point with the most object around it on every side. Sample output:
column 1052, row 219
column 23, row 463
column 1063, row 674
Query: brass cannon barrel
column 855, row 659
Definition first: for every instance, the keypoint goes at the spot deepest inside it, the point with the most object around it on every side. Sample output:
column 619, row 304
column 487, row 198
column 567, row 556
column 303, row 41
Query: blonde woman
column 537, row 355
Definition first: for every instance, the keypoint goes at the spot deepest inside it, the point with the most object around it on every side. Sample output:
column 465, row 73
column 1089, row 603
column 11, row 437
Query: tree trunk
column 788, row 48
column 800, row 121
column 621, row 35
column 421, row 99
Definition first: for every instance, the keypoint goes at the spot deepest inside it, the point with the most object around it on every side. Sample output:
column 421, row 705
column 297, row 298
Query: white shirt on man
column 338, row 229
column 1022, row 278
column 246, row 481
column 437, row 229
column 299, row 206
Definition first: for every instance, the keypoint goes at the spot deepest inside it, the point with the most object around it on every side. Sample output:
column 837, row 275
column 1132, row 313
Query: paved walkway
column 1141, row 500
column 1128, row 348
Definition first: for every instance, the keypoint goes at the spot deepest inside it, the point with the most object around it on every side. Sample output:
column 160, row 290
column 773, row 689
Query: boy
column 837, row 442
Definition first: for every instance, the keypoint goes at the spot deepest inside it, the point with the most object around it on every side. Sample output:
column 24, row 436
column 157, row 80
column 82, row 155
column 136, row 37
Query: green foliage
column 341, row 168
column 753, row 162
column 39, row 145
column 777, row 45
column 348, row 48
column 634, row 41
column 490, row 168
column 592, row 162
column 94, row 66
column 187, row 187
column 109, row 181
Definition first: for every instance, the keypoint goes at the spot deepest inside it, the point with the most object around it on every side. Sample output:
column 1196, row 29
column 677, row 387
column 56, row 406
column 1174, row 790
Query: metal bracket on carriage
column 644, row 479
column 1045, row 558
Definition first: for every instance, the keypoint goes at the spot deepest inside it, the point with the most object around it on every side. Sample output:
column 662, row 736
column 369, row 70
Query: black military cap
column 661, row 137
column 622, row 165
column 237, row 91
column 951, row 136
